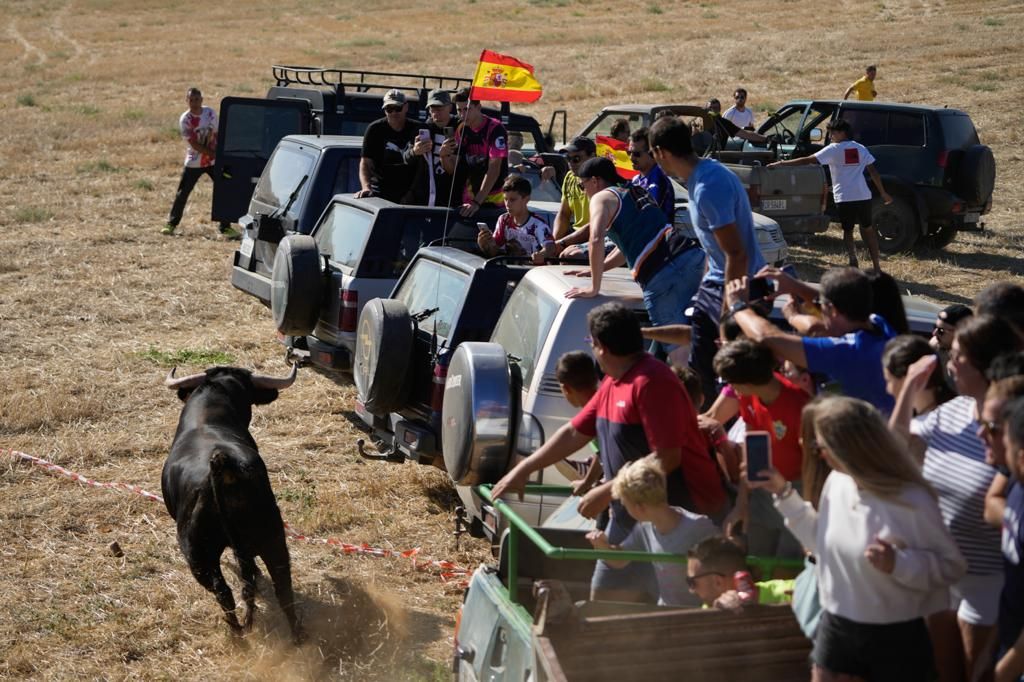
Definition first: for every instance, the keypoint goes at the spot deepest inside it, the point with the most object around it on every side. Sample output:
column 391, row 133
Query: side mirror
column 817, row 135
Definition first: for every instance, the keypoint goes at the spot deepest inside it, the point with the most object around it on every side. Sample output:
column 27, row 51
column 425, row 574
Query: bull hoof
column 299, row 636
column 232, row 621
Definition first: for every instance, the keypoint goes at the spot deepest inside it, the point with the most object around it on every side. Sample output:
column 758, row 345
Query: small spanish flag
column 615, row 151
column 504, row 79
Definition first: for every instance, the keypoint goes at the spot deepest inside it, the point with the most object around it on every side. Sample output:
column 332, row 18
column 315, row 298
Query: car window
column 603, row 125
column 430, row 285
column 868, row 125
column 347, row 179
column 818, row 117
column 286, row 168
column 958, row 131
column 255, row 129
column 343, row 233
column 524, row 325
column 785, row 123
column 905, row 129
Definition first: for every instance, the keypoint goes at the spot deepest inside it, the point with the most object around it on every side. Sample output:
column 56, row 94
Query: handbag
column 806, row 606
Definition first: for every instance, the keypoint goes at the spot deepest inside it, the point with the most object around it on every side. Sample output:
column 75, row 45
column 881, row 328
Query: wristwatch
column 738, row 306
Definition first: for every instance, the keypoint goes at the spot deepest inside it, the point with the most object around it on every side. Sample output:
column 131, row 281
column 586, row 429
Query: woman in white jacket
column 885, row 559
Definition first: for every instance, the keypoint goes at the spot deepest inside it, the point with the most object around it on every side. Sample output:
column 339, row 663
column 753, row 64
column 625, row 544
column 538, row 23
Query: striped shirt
column 954, row 464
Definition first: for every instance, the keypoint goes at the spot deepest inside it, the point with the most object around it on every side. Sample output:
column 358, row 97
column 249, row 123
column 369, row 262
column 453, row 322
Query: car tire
column 896, row 225
column 480, row 414
column 296, row 285
column 976, row 175
column 942, row 236
column 384, row 338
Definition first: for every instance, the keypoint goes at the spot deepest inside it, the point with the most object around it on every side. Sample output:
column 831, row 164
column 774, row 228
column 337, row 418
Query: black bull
column 216, row 488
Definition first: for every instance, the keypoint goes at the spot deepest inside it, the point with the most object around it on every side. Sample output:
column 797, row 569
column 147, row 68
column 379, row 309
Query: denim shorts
column 669, row 292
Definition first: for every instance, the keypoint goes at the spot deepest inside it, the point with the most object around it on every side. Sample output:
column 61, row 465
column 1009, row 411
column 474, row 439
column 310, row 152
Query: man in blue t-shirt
column 850, row 353
column 721, row 216
column 650, row 176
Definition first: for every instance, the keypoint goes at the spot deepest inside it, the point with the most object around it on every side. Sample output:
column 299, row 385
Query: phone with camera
column 449, row 132
column 424, row 134
column 757, row 449
column 761, row 288
column 483, row 228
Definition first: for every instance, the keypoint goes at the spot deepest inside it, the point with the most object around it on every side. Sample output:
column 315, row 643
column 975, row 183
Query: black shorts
column 854, row 212
column 900, row 652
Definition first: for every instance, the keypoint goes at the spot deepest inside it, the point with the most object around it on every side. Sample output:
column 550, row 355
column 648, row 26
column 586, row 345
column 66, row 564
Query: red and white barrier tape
column 448, row 570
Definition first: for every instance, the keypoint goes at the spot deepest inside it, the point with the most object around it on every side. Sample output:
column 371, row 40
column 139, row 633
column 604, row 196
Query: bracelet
column 474, row 201
column 787, row 490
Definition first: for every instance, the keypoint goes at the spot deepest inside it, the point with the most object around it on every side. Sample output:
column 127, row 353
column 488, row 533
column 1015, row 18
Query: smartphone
column 757, row 448
column 483, row 226
column 449, row 132
column 760, row 288
column 424, row 134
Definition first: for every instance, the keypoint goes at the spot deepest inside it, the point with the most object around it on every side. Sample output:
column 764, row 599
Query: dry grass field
column 96, row 305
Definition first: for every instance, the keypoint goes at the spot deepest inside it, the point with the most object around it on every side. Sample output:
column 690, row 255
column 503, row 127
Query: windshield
column 287, row 167
column 524, row 325
column 431, row 285
column 603, row 125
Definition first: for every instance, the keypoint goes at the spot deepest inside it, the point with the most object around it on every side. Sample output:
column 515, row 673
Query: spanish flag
column 504, row 79
column 615, row 151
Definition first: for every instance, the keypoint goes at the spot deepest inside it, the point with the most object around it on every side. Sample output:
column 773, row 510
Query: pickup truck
column 529, row 617
column 793, row 197
column 318, row 101
column 930, row 159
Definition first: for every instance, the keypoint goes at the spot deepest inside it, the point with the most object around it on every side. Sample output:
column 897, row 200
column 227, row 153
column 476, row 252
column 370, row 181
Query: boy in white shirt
column 847, row 161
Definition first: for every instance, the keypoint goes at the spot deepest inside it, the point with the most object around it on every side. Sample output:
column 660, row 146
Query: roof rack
column 364, row 81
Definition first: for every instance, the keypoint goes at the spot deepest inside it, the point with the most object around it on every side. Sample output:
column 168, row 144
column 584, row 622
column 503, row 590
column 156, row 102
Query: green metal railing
column 518, row 525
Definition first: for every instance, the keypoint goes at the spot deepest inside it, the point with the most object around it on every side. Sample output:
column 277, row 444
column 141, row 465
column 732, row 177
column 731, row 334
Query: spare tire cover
column 478, row 427
column 296, row 285
column 976, row 176
column 384, row 339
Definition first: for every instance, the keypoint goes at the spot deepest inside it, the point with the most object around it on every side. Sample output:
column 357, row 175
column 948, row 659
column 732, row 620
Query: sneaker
column 168, row 229
column 230, row 232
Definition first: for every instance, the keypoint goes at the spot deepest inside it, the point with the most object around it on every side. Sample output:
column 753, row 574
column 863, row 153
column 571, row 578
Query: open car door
column 249, row 130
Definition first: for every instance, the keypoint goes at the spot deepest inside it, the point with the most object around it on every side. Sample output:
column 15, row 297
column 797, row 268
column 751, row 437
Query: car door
column 249, row 131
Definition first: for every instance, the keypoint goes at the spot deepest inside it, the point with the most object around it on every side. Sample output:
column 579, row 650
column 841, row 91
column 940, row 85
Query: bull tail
column 222, row 471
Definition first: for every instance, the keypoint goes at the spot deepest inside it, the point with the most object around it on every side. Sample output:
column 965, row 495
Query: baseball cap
column 954, row 314
column 393, row 97
column 438, row 98
column 599, row 167
column 581, row 144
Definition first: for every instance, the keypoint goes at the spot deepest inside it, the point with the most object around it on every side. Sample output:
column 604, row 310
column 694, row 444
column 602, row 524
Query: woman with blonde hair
column 885, row 559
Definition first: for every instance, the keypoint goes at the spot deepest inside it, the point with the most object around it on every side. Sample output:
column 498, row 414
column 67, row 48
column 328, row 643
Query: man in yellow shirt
column 864, row 87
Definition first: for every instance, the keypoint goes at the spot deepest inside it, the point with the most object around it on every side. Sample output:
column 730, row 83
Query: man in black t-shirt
column 432, row 185
column 383, row 171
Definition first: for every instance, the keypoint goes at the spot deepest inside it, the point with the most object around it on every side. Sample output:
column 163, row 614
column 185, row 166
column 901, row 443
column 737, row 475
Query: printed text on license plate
column 773, row 204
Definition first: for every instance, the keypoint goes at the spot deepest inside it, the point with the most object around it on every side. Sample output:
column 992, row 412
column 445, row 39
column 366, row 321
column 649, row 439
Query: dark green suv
column 940, row 175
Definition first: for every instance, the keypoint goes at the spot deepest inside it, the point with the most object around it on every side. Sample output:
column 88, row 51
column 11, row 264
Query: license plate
column 972, row 217
column 773, row 204
column 245, row 248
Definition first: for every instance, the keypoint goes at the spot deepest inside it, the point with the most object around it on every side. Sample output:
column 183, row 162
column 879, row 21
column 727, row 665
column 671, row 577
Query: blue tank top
column 639, row 226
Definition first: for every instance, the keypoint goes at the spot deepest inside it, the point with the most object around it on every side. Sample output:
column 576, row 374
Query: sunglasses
column 633, row 153
column 939, row 331
column 691, row 580
column 575, row 159
column 739, row 97
column 392, row 109
column 991, row 428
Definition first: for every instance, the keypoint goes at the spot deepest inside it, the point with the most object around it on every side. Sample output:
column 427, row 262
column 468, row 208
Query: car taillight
column 348, row 314
column 943, row 158
column 437, row 395
column 754, row 194
column 958, row 207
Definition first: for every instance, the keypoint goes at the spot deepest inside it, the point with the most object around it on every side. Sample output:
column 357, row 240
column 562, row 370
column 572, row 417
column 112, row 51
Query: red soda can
column 744, row 585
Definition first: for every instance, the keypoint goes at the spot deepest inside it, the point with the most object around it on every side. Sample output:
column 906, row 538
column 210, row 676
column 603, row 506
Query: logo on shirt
column 851, row 156
column 392, row 147
column 780, row 430
column 621, row 404
column 499, row 142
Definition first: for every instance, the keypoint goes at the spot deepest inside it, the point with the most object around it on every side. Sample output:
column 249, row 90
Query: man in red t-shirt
column 640, row 408
column 768, row 402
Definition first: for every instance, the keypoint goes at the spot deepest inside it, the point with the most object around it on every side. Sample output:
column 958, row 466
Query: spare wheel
column 480, row 414
column 296, row 285
column 976, row 175
column 384, row 339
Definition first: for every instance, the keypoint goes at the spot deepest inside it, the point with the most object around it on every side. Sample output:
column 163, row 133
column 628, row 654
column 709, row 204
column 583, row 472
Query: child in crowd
column 710, row 567
column 1010, row 659
column 899, row 354
column 768, row 402
column 576, row 373
column 640, row 486
column 885, row 559
column 518, row 231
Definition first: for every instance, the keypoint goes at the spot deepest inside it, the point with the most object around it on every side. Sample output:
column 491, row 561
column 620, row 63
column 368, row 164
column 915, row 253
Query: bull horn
column 262, row 381
column 191, row 381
